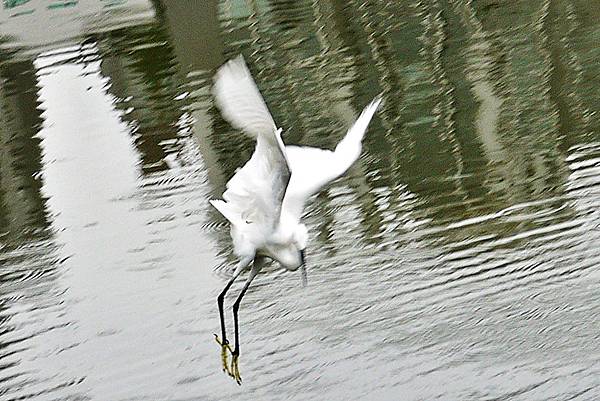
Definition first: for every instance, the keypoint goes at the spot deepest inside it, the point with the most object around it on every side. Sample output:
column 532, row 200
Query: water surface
column 456, row 260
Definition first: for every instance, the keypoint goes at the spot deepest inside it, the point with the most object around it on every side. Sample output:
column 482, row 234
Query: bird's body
column 264, row 200
column 251, row 204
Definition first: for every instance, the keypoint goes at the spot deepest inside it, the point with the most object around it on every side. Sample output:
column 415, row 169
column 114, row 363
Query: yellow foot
column 235, row 370
column 224, row 348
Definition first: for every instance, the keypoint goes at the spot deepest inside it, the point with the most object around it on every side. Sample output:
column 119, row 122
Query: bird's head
column 288, row 249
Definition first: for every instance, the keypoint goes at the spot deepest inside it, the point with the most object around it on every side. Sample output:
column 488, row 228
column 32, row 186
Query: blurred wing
column 240, row 101
column 255, row 193
column 313, row 168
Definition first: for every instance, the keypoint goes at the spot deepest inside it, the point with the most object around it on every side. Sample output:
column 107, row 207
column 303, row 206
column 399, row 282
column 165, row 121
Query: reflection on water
column 456, row 260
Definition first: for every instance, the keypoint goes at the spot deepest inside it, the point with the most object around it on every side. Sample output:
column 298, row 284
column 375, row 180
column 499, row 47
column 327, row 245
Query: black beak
column 303, row 269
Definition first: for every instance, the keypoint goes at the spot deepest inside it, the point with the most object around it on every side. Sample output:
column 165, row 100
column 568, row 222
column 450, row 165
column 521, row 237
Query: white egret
column 265, row 198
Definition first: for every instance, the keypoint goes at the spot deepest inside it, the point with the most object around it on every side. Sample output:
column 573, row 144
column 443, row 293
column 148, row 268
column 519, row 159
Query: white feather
column 252, row 201
column 239, row 99
column 313, row 168
column 265, row 198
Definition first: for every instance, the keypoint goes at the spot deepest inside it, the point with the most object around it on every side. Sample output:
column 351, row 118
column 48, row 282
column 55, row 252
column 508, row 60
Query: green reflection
column 483, row 100
column 22, row 205
column 14, row 3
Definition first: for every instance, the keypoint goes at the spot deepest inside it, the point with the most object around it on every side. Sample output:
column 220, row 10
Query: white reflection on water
column 141, row 320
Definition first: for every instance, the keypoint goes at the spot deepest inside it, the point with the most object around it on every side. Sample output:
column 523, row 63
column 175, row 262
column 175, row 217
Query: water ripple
column 456, row 260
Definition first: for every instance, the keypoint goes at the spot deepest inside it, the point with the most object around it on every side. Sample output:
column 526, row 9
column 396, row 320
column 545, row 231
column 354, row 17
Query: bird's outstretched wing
column 255, row 193
column 240, row 101
column 313, row 168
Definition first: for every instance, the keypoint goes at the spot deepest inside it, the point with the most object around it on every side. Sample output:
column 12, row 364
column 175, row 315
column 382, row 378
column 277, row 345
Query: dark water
column 458, row 260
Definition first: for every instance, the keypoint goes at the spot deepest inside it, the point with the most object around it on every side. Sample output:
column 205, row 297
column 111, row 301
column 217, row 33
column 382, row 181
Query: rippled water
column 457, row 260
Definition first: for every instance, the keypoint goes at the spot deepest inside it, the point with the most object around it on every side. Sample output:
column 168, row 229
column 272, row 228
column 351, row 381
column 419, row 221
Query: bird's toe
column 222, row 343
column 235, row 370
column 225, row 349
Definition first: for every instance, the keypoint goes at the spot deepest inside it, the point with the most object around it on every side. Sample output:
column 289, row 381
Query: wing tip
column 239, row 63
column 239, row 100
column 370, row 109
column 376, row 102
column 235, row 68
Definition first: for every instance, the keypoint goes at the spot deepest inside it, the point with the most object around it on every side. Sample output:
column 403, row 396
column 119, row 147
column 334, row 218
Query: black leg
column 256, row 266
column 236, row 305
column 221, row 298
